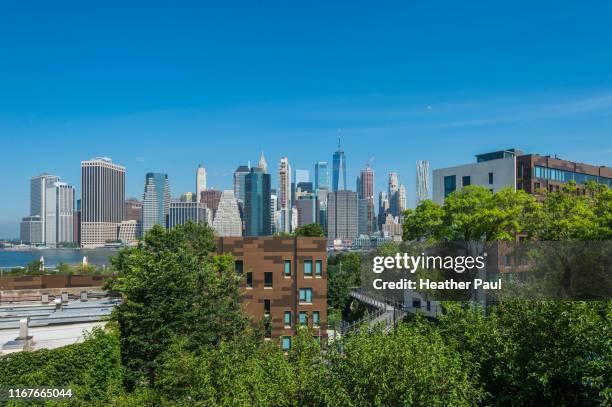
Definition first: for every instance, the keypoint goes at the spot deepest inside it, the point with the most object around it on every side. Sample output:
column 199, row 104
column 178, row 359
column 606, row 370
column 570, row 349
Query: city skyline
column 218, row 88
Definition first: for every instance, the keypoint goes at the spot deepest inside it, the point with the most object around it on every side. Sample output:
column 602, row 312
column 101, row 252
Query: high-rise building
column 302, row 176
column 30, row 230
column 262, row 164
column 239, row 182
column 364, row 222
column 211, row 198
column 156, row 201
column 383, row 208
column 306, row 206
column 102, row 201
column 401, row 200
column 339, row 170
column 59, row 214
column 200, row 182
column 342, row 215
column 365, row 191
column 183, row 212
column 321, row 175
column 422, row 181
column 227, row 220
column 321, row 208
column 273, row 211
column 38, row 190
column 132, row 210
column 257, row 205
column 393, row 183
column 284, row 194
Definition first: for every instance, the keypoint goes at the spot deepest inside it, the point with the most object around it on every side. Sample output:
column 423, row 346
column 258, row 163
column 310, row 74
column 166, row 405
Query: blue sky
column 163, row 88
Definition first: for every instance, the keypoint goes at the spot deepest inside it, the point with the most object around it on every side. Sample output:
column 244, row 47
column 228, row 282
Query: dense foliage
column 311, row 229
column 174, row 287
column 92, row 369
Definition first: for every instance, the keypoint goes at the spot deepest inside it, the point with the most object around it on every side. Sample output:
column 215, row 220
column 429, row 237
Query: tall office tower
column 257, row 205
column 211, row 198
column 321, row 175
column 321, row 208
column 393, row 183
column 38, row 190
column 306, row 206
column 299, row 177
column 59, row 214
column 227, row 220
column 189, row 197
column 77, row 223
column 102, row 200
column 383, row 208
column 294, row 218
column 365, row 191
column 422, row 181
column 156, row 201
column 200, row 182
column 183, row 212
column 129, row 232
column 239, row 181
column 263, row 165
column 273, row 211
column 401, row 200
column 366, row 183
column 342, row 215
column 284, row 194
column 339, row 170
column 364, row 222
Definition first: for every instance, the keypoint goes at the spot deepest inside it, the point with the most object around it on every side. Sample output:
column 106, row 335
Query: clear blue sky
column 162, row 88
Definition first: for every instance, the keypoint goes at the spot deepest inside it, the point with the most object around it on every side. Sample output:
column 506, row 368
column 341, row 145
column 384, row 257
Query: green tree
column 343, row 273
column 311, row 229
column 173, row 286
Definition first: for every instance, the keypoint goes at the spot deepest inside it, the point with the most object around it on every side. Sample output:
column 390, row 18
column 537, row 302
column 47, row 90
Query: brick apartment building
column 285, row 282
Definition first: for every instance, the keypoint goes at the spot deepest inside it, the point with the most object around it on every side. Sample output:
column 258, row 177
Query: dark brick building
column 285, row 282
column 535, row 172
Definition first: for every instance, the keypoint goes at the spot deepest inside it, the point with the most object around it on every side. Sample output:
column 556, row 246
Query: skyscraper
column 262, row 164
column 401, row 200
column 257, row 203
column 365, row 191
column 393, row 183
column 200, row 182
column 211, row 198
column 227, row 219
column 284, row 194
column 321, row 175
column 383, row 208
column 339, row 170
column 183, row 212
column 273, row 211
column 422, row 181
column 189, row 197
column 59, row 214
column 342, row 215
column 38, row 191
column 102, row 201
column 156, row 201
column 239, row 175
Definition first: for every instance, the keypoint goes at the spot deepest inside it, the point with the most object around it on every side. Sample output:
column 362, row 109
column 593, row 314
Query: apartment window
column 249, row 279
column 267, row 307
column 287, row 268
column 450, row 184
column 316, row 315
column 238, row 266
column 287, row 319
column 303, row 318
column 490, row 178
column 307, row 268
column 306, row 295
column 318, row 268
column 466, row 180
column 268, row 279
column 286, row 343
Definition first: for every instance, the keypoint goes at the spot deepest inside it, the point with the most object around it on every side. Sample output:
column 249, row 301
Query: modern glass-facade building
column 321, row 175
column 156, row 201
column 339, row 170
column 257, row 203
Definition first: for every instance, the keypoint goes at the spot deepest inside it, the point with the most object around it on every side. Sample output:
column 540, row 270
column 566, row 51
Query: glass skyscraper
column 156, row 200
column 321, row 175
column 339, row 170
column 257, row 203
